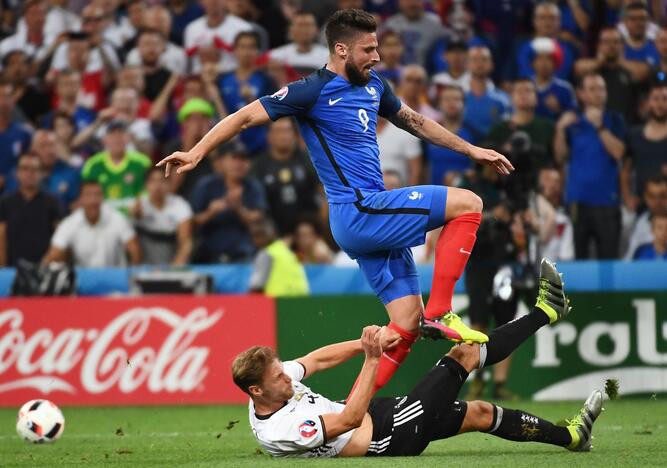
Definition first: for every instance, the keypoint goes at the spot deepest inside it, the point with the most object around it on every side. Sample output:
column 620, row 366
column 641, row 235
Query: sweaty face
column 362, row 55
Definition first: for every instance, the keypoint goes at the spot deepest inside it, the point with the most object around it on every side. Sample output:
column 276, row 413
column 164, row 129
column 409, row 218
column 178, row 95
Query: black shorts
column 404, row 426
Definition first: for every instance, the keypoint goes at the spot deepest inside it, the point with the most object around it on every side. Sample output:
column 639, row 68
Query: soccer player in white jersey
column 289, row 419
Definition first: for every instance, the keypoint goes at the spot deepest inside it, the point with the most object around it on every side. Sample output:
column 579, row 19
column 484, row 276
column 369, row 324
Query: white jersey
column 297, row 429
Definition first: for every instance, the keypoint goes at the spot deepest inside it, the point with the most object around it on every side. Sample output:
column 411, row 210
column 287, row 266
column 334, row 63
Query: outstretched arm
column 249, row 116
column 431, row 131
column 338, row 353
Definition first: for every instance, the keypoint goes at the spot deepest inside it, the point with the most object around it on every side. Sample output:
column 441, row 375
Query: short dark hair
column 10, row 54
column 249, row 367
column 523, row 80
column 251, row 34
column 344, row 25
column 450, row 87
column 658, row 84
column 582, row 80
column 635, row 6
column 89, row 183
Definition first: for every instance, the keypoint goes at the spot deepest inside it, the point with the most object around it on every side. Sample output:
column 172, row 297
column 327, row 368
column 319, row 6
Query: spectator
column 216, row 28
column 225, row 204
column 28, row 216
column 119, row 170
column 575, row 20
column 245, row 84
column 163, row 222
column 620, row 74
column 64, row 130
column 656, row 250
column 195, row 121
column 418, row 30
column 390, row 49
column 655, row 199
column 276, row 270
column 95, row 235
column 173, row 58
column 58, row 178
column 151, row 49
column 592, row 142
column 308, row 244
column 526, row 139
column 183, row 12
column 303, row 53
column 660, row 70
column 637, row 45
column 559, row 243
column 124, row 108
column 288, row 177
column 247, row 10
column 132, row 77
column 485, row 106
column 118, row 29
column 554, row 95
column 443, row 162
column 29, row 39
column 456, row 74
column 95, row 66
column 59, row 20
column 547, row 23
column 68, row 84
column 14, row 136
column 646, row 155
column 400, row 151
column 30, row 100
column 412, row 91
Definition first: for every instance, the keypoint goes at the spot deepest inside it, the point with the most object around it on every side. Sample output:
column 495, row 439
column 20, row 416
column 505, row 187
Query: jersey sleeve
column 389, row 103
column 294, row 433
column 294, row 369
column 292, row 100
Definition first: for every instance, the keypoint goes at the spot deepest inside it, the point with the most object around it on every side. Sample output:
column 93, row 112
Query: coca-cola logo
column 116, row 355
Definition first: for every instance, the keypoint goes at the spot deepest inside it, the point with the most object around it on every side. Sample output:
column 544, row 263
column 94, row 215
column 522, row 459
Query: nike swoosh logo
column 464, row 251
column 334, row 101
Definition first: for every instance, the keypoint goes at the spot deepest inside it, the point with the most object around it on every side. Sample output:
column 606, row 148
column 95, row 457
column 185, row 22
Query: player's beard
column 355, row 76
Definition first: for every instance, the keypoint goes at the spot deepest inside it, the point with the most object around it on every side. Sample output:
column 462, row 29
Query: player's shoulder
column 561, row 83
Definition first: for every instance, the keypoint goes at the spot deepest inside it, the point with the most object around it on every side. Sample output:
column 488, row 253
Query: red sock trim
column 405, row 334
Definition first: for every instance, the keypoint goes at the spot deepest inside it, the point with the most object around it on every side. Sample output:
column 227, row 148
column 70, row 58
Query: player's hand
column 370, row 342
column 567, row 119
column 183, row 161
column 500, row 163
column 389, row 338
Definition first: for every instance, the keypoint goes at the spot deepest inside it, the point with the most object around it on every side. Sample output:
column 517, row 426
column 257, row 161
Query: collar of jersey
column 267, row 416
column 115, row 168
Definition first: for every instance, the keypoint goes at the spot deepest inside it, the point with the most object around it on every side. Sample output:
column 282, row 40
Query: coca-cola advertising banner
column 150, row 350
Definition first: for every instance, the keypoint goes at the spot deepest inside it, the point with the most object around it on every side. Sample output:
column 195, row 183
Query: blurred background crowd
column 93, row 93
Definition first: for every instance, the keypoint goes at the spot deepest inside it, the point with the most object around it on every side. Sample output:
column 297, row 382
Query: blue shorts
column 379, row 230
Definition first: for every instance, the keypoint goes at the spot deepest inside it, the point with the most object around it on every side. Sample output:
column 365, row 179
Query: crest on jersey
column 307, row 429
column 372, row 91
column 281, row 93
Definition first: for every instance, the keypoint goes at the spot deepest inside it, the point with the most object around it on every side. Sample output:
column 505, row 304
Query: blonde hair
column 249, row 366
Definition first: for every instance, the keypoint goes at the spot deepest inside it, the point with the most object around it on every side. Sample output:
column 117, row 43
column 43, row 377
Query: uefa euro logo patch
column 308, row 429
column 281, row 93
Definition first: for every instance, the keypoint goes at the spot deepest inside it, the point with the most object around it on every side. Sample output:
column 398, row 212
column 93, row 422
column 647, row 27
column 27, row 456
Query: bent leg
column 462, row 216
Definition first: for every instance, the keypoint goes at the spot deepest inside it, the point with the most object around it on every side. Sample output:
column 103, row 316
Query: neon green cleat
column 551, row 298
column 450, row 327
column 581, row 426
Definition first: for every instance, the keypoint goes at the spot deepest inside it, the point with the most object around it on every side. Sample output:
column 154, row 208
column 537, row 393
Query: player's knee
column 474, row 202
column 466, row 355
column 481, row 413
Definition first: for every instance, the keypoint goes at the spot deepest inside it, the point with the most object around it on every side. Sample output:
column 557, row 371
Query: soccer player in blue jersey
column 336, row 109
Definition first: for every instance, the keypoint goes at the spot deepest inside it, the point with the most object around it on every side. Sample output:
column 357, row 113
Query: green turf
column 629, row 433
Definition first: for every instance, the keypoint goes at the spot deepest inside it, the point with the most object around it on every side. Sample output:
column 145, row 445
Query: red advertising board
column 149, row 350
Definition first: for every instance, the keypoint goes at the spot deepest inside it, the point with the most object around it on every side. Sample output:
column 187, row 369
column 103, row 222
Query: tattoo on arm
column 409, row 120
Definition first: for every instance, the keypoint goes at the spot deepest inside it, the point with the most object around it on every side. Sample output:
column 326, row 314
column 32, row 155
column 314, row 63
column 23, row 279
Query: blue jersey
column 647, row 53
column 338, row 123
column 564, row 94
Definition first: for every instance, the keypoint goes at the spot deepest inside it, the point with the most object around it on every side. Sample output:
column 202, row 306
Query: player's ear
column 255, row 391
column 340, row 49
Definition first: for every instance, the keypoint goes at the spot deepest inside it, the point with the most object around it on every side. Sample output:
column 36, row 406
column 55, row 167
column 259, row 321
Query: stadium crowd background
column 92, row 94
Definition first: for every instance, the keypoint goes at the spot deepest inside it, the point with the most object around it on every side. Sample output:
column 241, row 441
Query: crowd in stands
column 94, row 93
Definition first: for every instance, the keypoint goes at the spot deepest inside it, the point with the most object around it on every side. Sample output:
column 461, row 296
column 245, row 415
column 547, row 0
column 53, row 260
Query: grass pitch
column 629, row 433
